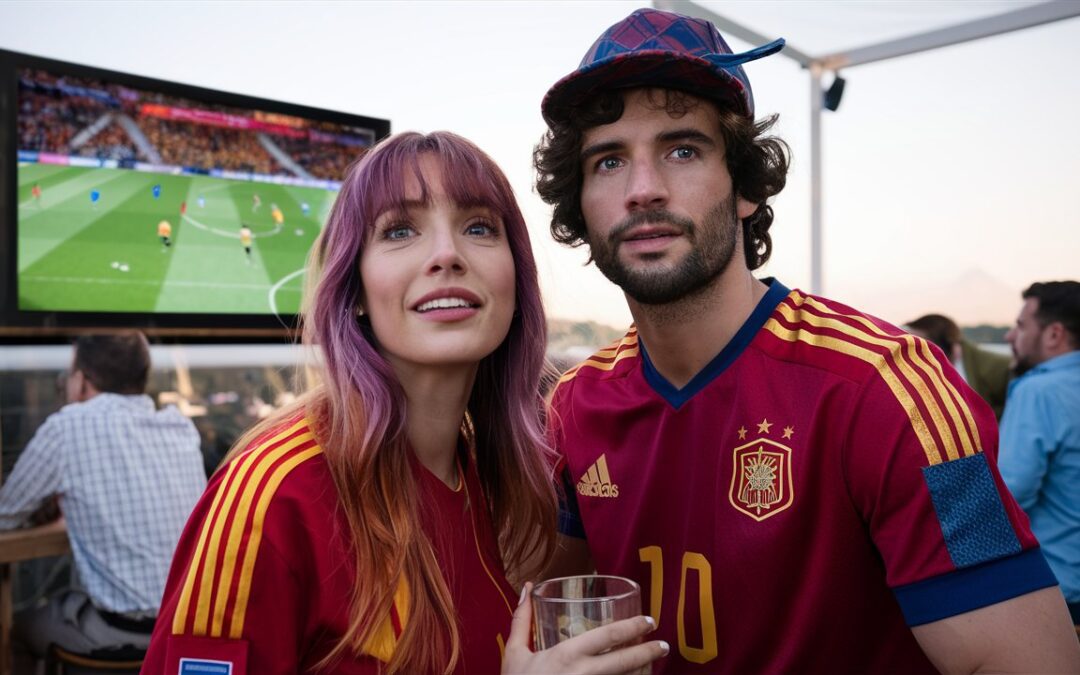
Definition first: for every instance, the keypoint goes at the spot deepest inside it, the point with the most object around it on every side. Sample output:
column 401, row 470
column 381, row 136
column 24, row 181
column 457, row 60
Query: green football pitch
column 80, row 254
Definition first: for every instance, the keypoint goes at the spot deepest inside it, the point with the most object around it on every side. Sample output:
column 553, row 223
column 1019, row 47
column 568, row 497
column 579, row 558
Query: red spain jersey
column 824, row 483
column 263, row 576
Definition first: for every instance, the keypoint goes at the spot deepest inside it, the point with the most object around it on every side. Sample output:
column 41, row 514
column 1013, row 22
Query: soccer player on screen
column 164, row 232
column 245, row 241
column 183, row 209
column 256, row 202
column 277, row 215
column 35, row 192
column 797, row 486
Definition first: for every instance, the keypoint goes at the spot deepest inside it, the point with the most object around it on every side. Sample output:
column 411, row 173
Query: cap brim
column 647, row 69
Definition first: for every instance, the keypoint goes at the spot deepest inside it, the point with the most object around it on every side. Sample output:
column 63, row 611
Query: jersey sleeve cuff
column 974, row 587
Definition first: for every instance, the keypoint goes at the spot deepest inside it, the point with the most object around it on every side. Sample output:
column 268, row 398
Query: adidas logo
column 597, row 481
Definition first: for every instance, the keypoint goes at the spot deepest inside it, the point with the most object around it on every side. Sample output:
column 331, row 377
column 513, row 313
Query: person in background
column 797, row 486
column 985, row 371
column 1040, row 432
column 126, row 477
column 365, row 528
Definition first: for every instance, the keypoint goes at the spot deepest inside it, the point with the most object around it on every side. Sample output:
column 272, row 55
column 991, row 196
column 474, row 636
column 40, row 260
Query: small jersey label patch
column 205, row 667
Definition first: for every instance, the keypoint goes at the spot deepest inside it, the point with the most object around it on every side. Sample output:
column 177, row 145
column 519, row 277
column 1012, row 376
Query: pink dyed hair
column 359, row 412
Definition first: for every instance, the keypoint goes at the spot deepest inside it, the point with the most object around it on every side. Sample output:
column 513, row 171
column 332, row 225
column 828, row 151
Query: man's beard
column 712, row 247
column 1020, row 365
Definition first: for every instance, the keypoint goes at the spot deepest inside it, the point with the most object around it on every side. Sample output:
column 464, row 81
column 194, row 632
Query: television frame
column 18, row 325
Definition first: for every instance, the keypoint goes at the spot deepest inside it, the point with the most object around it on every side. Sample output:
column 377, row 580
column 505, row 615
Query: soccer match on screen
column 137, row 201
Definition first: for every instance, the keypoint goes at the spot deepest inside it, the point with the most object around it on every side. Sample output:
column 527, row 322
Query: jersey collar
column 677, row 397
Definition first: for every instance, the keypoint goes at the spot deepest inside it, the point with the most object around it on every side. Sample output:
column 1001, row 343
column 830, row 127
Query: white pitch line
column 274, row 289
column 229, row 233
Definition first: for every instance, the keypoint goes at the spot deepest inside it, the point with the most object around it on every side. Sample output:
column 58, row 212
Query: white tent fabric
column 826, row 27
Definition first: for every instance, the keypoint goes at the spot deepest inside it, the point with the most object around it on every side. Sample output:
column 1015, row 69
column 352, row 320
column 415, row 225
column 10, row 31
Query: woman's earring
column 359, row 310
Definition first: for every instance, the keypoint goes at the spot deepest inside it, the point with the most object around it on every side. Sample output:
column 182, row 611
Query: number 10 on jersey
column 703, row 603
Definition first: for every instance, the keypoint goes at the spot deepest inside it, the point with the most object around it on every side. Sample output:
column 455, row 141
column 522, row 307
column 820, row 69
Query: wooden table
column 25, row 544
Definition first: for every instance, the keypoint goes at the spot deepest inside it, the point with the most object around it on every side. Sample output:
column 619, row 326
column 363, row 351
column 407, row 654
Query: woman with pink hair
column 369, row 527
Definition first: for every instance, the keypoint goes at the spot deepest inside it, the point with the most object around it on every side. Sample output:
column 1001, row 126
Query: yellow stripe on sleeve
column 909, row 375
column 181, row 614
column 957, row 409
column 205, row 560
column 965, row 409
column 236, row 533
column 625, row 348
column 926, row 440
column 236, row 625
column 598, row 365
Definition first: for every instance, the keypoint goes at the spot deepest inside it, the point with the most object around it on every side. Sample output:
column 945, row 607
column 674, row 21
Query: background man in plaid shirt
column 125, row 476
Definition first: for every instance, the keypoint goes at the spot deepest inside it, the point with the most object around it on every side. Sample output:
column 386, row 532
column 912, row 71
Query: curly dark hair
column 758, row 164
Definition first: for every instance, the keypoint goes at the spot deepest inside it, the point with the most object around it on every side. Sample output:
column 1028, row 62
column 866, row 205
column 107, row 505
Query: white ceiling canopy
column 832, row 35
column 830, row 27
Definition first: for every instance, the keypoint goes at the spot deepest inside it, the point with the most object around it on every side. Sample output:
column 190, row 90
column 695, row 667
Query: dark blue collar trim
column 677, row 397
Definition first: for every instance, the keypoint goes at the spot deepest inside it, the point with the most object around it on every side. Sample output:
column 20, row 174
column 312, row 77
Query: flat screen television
column 134, row 202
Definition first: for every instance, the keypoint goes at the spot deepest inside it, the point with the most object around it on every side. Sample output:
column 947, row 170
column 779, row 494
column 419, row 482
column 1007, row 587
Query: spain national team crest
column 761, row 484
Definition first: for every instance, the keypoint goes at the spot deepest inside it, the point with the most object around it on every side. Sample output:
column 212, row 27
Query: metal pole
column 817, row 285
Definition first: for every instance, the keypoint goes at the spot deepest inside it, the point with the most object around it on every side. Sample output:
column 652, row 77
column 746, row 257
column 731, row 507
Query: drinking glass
column 568, row 606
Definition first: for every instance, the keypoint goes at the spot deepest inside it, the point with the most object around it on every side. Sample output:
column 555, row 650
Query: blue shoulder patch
column 205, row 667
column 970, row 511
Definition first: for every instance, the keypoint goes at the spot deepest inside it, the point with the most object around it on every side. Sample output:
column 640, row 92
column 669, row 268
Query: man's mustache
column 652, row 217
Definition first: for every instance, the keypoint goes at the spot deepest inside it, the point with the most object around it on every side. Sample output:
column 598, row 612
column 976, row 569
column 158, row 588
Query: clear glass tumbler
column 568, row 606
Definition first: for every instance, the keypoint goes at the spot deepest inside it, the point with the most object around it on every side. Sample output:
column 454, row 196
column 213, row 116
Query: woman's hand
column 596, row 652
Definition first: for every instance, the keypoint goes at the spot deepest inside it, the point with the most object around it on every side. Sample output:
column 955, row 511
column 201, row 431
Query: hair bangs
column 387, row 182
column 466, row 180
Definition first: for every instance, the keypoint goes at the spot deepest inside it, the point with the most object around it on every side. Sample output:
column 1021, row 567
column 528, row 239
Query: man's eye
column 609, row 164
column 684, row 153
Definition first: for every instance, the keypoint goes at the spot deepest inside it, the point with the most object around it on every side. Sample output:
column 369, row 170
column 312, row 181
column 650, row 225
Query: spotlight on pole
column 834, row 93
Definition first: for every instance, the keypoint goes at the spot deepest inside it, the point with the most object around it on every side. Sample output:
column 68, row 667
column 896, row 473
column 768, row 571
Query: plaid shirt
column 127, row 477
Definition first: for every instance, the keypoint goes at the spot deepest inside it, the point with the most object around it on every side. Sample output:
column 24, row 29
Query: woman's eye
column 480, row 228
column 397, row 232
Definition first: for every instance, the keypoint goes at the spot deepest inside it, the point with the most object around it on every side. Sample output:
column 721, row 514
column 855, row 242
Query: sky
column 950, row 178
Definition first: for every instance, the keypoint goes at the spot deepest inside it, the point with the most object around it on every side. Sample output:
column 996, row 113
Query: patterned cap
column 660, row 49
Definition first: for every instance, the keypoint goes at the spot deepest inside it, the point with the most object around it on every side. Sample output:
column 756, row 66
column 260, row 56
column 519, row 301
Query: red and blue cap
column 654, row 48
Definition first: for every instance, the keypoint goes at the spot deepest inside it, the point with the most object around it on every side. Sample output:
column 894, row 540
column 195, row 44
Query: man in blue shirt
column 126, row 477
column 1040, row 431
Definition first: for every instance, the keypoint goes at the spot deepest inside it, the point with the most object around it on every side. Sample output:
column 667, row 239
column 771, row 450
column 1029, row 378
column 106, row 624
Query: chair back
column 125, row 659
